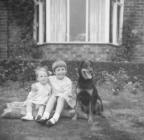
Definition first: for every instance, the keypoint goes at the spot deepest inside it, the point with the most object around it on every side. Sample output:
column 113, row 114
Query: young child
column 39, row 94
column 61, row 92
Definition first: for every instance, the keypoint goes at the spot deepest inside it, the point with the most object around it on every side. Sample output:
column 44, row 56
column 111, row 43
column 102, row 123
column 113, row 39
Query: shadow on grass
column 66, row 129
column 107, row 132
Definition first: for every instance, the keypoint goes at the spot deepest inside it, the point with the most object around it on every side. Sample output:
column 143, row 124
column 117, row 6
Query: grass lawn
column 124, row 119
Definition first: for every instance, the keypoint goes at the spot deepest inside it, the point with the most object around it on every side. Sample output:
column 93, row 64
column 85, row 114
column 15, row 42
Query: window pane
column 97, row 21
column 58, row 20
column 77, row 20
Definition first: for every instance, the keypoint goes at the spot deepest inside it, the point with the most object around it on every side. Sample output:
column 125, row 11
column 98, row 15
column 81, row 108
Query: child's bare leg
column 28, row 115
column 49, row 108
column 41, row 110
column 58, row 111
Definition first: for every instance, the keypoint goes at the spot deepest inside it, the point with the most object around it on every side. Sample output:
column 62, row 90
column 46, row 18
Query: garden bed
column 12, row 67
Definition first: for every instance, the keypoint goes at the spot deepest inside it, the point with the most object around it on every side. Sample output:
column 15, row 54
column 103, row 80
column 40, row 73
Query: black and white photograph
column 71, row 69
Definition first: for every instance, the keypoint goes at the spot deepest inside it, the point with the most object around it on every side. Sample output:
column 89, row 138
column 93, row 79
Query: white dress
column 39, row 93
column 61, row 88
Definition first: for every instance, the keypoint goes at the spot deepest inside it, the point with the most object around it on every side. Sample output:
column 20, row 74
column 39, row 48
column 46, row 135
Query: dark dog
column 87, row 94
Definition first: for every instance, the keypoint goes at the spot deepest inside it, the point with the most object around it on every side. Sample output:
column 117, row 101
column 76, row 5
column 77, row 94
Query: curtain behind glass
column 97, row 10
column 58, row 20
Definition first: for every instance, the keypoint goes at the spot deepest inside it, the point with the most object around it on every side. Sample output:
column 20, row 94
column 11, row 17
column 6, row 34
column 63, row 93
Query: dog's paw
column 74, row 118
column 90, row 120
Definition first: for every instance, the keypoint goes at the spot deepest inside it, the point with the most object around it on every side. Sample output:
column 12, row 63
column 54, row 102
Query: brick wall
column 69, row 52
column 134, row 13
column 3, row 30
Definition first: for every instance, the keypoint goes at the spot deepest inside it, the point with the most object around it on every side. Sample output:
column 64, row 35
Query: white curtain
column 58, row 20
column 97, row 19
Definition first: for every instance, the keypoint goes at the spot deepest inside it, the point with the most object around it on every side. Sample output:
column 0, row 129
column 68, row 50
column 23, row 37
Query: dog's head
column 86, row 70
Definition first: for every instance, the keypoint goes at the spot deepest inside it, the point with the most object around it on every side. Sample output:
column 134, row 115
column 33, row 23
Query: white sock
column 29, row 114
column 55, row 118
column 46, row 115
column 40, row 112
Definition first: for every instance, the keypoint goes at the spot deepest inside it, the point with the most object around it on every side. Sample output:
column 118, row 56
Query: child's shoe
column 41, row 121
column 27, row 118
column 45, row 117
column 51, row 122
column 38, row 117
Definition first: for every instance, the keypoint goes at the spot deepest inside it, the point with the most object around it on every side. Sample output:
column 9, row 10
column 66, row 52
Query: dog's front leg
column 90, row 108
column 77, row 105
column 90, row 116
column 76, row 113
column 79, row 113
column 75, row 117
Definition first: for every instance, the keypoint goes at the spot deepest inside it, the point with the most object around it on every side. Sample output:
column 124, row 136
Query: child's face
column 60, row 72
column 42, row 77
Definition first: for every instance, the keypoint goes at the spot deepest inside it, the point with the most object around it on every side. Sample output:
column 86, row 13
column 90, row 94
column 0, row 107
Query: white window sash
column 35, row 23
column 117, row 38
column 121, row 21
column 68, row 21
column 114, row 28
column 48, row 23
column 87, row 20
column 41, row 29
column 107, row 24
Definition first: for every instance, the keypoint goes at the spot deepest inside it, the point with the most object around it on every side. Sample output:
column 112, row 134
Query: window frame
column 107, row 35
column 116, row 40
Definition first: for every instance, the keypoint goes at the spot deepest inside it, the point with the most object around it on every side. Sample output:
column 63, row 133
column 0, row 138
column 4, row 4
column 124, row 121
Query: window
column 77, row 22
column 116, row 21
column 87, row 21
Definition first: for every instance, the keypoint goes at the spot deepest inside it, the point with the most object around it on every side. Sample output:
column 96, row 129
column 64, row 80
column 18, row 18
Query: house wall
column 3, row 30
column 134, row 17
column 94, row 52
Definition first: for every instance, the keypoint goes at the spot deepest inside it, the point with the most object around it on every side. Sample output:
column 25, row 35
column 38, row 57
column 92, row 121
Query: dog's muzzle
column 86, row 74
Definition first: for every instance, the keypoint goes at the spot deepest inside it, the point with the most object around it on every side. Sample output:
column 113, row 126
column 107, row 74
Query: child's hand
column 34, row 88
column 49, row 73
column 25, row 103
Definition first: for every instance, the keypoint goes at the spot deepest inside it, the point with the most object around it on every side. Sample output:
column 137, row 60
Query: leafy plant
column 16, row 70
column 117, row 80
column 131, row 37
column 22, row 15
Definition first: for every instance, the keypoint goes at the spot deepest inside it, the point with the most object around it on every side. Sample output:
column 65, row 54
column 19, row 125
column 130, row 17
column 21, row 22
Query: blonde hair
column 43, row 69
column 59, row 63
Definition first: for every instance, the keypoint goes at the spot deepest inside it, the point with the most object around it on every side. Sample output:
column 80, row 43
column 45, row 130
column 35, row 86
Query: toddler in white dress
column 39, row 94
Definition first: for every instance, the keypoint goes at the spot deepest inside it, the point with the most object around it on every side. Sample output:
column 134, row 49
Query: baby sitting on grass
column 39, row 94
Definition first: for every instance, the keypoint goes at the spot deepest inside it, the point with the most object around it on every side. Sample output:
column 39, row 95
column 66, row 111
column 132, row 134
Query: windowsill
column 77, row 43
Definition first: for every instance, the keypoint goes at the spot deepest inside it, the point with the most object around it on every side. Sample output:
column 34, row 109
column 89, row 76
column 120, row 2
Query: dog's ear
column 81, row 64
column 79, row 68
column 91, row 64
column 91, row 67
column 77, row 72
